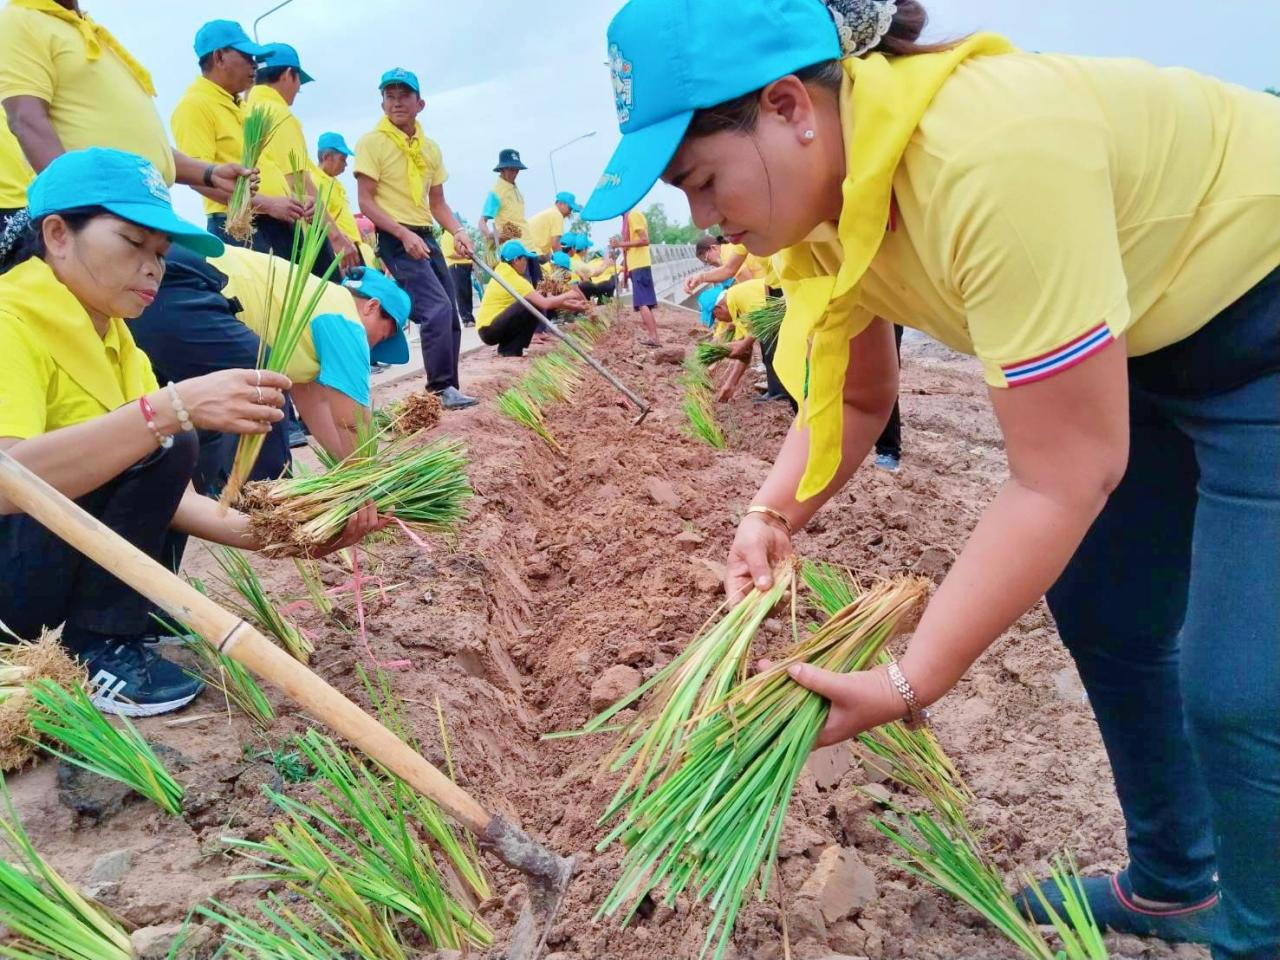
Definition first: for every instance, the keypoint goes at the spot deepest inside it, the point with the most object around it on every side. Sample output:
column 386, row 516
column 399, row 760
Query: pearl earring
column 809, row 134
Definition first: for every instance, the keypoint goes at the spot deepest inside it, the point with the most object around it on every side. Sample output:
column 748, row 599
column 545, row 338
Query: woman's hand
column 229, row 401
column 859, row 701
column 759, row 545
column 462, row 244
column 741, row 349
column 362, row 523
column 225, row 175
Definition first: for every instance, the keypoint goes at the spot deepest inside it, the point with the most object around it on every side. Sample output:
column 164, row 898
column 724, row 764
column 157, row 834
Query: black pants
column 775, row 386
column 430, row 290
column 890, row 441
column 191, row 330
column 462, row 293
column 511, row 331
column 533, row 271
column 47, row 582
column 598, row 291
column 270, row 236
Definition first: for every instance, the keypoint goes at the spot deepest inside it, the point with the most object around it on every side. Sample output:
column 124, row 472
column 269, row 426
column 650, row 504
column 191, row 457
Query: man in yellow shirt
column 15, row 174
column 208, row 124
column 504, row 205
column 400, row 174
column 66, row 84
column 635, row 244
column 279, row 80
column 546, row 227
column 460, row 271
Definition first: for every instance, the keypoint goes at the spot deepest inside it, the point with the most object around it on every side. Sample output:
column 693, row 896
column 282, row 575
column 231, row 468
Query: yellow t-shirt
column 56, row 369
column 208, row 124
column 92, row 103
column 1048, row 205
column 637, row 257
column 247, row 272
column 543, row 228
column 744, row 298
column 496, row 299
column 450, row 250
column 608, row 270
column 15, row 173
column 287, row 148
column 379, row 158
column 510, row 206
column 338, row 206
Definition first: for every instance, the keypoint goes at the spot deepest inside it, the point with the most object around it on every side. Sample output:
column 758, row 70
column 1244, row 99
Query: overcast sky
column 531, row 76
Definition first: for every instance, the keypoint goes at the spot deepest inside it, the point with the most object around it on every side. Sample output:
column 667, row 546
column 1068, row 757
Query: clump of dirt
column 609, row 552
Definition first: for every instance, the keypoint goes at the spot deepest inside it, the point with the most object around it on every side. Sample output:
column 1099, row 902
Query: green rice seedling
column 712, row 353
column 282, row 934
column 69, row 718
column 248, row 598
column 258, row 128
column 309, row 571
column 20, row 664
column 518, row 406
column 233, row 681
column 711, row 819
column 700, row 420
column 1079, row 931
column 764, row 323
column 47, row 917
column 423, row 485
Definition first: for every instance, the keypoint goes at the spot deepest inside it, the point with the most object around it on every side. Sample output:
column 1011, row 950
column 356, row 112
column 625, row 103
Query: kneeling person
column 503, row 321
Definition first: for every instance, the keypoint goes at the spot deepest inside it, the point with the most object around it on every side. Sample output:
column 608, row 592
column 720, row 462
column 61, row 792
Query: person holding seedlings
column 731, row 310
column 332, row 154
column 83, row 410
column 503, row 211
column 208, row 125
column 634, row 243
column 503, row 321
column 1052, row 216
column 400, row 174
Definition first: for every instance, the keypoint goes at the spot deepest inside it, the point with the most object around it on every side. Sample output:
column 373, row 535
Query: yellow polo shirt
column 1048, row 205
column 92, row 103
column 208, row 124
column 544, row 226
column 287, row 148
column 450, row 251
column 15, row 173
column 505, row 205
column 742, row 299
column 338, row 207
column 380, row 159
column 56, row 368
column 637, row 257
column 496, row 299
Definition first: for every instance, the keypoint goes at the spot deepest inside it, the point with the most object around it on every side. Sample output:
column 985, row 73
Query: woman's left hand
column 363, row 522
column 860, row 701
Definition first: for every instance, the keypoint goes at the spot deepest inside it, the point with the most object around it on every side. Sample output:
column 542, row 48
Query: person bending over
column 503, row 321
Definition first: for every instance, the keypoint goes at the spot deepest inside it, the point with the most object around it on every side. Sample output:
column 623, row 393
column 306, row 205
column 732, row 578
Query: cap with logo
column 561, row 259
column 569, row 200
column 283, row 55
column 220, row 34
column 121, row 183
column 509, row 159
column 376, row 285
column 514, row 250
column 406, row 78
column 334, row 141
column 670, row 58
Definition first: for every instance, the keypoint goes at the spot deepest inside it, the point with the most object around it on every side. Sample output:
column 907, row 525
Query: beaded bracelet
column 179, row 409
column 164, row 440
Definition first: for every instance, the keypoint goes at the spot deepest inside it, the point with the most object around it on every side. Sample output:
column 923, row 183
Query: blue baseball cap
column 334, row 141
column 220, row 34
column 283, row 55
column 582, row 241
column 569, row 200
column 707, row 301
column 514, row 250
column 402, row 76
column 121, row 183
column 670, row 58
column 561, row 259
column 376, row 285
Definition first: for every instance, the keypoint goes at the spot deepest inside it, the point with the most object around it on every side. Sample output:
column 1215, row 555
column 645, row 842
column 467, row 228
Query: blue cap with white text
column 220, row 34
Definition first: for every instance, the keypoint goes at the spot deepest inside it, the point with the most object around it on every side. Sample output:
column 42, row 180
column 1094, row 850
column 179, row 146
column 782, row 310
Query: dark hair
column 206, row 62
column 270, row 74
column 902, row 40
column 705, row 243
column 76, row 220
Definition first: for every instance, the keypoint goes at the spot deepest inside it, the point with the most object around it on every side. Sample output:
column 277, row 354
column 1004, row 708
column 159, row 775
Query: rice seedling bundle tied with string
column 765, row 322
column 411, row 414
column 423, row 485
column 711, row 353
column 21, row 664
column 714, row 755
column 258, row 128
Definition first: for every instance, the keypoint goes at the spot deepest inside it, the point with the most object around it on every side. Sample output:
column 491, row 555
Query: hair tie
column 861, row 24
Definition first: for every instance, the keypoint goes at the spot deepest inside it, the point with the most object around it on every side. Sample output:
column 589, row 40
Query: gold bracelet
column 778, row 515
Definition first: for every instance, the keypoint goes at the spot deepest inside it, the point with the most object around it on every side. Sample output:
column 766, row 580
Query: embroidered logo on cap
column 623, row 97
column 154, row 183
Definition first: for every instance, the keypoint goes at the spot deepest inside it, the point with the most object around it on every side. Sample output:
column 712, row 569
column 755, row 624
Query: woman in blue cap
column 83, row 410
column 503, row 321
column 1104, row 236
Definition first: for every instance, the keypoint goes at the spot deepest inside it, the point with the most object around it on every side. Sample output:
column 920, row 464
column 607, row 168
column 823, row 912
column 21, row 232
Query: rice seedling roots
column 580, row 572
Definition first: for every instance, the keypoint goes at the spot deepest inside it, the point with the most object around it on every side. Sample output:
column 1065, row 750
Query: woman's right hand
column 759, row 545
column 231, row 401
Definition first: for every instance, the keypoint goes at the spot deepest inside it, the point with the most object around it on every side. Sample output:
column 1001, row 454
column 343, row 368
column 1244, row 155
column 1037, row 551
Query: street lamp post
column 265, row 15
column 552, row 157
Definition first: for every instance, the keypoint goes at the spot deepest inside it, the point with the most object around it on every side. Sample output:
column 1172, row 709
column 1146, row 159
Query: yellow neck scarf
column 411, row 147
column 32, row 293
column 95, row 37
column 884, row 100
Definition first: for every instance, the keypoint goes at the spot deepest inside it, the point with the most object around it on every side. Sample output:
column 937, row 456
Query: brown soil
column 609, row 553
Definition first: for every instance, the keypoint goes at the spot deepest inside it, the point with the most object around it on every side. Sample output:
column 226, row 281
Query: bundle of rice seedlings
column 285, row 330
column 258, row 128
column 69, row 718
column 283, row 935
column 233, row 681
column 711, row 353
column 554, row 284
column 509, row 231
column 360, row 857
column 520, row 407
column 765, row 322
column 706, row 816
column 251, row 603
column 46, row 916
column 408, row 415
column 423, row 485
column 552, row 378
column 20, row 664
column 698, row 404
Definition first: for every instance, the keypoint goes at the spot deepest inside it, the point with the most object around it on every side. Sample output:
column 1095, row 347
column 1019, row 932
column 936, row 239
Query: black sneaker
column 129, row 679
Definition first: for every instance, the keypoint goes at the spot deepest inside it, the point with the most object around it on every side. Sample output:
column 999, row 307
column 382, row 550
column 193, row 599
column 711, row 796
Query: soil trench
column 606, row 554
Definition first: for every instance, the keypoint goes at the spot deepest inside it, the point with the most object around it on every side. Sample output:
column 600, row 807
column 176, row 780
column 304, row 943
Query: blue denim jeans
column 1171, row 609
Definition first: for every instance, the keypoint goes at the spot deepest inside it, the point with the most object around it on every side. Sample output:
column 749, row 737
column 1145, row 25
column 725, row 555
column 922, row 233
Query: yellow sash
column 95, row 37
column 412, row 150
column 883, row 101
